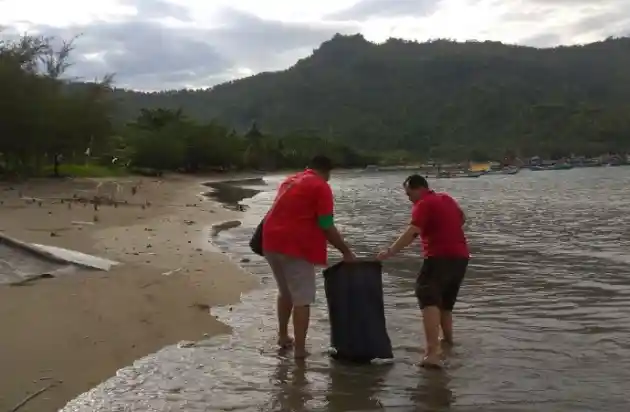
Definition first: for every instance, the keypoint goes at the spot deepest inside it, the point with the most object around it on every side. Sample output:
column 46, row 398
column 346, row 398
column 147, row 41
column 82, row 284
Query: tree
column 40, row 116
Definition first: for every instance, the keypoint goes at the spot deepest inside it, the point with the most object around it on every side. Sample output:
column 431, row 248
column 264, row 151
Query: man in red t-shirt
column 295, row 235
column 439, row 221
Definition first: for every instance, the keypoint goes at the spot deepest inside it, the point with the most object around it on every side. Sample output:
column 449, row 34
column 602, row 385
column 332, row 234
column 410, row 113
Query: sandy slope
column 79, row 329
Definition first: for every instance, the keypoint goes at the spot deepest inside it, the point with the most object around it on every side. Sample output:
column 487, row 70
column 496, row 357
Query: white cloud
column 62, row 12
column 155, row 44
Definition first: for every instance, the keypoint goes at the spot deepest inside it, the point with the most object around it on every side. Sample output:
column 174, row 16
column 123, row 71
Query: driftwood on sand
column 28, row 280
column 33, row 396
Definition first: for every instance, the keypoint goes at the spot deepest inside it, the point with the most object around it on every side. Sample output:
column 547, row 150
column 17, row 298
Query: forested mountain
column 440, row 98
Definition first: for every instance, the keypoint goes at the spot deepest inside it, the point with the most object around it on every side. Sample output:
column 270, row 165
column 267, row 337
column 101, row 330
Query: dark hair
column 321, row 163
column 416, row 182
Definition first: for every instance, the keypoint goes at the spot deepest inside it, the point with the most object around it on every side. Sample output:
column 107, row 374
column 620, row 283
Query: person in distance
column 439, row 221
column 295, row 234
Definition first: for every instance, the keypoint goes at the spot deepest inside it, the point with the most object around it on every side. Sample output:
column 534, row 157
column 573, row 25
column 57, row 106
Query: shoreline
column 79, row 329
column 230, row 193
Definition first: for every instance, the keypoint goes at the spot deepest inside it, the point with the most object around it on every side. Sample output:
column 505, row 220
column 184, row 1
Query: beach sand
column 79, row 329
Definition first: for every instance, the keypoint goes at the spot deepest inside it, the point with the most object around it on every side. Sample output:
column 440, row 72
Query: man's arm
column 404, row 240
column 326, row 221
column 418, row 222
column 335, row 239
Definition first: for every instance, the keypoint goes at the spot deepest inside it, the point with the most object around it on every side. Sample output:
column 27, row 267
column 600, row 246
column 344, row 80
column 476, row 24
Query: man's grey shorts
column 295, row 278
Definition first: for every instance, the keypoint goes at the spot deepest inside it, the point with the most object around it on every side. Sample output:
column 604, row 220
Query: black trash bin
column 358, row 330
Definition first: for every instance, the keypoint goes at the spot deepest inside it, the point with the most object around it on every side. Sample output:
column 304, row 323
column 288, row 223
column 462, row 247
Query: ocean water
column 542, row 322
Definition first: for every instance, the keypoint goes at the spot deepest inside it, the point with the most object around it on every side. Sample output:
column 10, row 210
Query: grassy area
column 87, row 170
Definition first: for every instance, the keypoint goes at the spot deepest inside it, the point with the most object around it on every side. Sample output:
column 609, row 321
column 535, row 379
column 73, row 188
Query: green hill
column 441, row 98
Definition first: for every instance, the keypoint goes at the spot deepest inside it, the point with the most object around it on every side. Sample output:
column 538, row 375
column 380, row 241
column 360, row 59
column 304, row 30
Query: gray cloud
column 149, row 9
column 256, row 42
column 603, row 18
column 543, row 40
column 145, row 54
column 365, row 9
column 576, row 2
column 536, row 14
column 274, row 35
column 141, row 54
column 537, row 10
column 605, row 24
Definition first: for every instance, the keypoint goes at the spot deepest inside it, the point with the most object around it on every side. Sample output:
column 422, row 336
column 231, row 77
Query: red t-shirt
column 291, row 225
column 440, row 220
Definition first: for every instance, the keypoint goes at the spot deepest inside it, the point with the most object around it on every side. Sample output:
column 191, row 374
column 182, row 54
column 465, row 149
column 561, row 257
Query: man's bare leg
column 431, row 322
column 284, row 308
column 446, row 322
column 301, row 319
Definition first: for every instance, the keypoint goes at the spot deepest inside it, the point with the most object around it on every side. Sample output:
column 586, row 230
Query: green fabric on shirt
column 326, row 221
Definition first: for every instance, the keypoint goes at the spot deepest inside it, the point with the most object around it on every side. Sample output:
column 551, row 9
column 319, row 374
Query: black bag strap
column 280, row 195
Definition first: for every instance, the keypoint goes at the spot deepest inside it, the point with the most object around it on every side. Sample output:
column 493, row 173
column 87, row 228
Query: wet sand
column 75, row 330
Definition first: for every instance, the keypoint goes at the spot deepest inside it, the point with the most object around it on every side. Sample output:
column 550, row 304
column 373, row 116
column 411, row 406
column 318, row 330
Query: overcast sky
column 165, row 44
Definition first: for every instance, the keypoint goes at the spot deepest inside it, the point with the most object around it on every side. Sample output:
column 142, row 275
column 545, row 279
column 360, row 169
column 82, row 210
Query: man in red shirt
column 295, row 234
column 439, row 221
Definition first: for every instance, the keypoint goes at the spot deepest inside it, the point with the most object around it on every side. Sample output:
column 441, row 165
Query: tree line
column 48, row 122
column 360, row 103
column 40, row 119
column 438, row 99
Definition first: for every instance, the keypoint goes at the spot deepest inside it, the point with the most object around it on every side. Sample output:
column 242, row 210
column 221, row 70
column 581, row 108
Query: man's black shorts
column 439, row 281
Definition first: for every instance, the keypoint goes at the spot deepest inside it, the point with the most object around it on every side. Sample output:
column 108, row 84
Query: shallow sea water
column 542, row 323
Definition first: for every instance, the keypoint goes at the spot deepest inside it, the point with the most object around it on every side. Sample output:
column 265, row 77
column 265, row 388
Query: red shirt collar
column 312, row 172
column 426, row 194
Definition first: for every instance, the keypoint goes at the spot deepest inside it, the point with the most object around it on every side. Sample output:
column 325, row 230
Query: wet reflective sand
column 542, row 321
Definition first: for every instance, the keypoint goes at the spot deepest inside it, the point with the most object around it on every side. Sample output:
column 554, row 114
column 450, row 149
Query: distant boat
column 614, row 161
column 537, row 168
column 510, row 170
column 371, row 168
column 557, row 166
column 479, row 167
column 589, row 164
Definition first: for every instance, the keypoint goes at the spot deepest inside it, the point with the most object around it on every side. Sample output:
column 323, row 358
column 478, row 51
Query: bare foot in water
column 446, row 342
column 300, row 354
column 432, row 362
column 285, row 342
column 446, row 346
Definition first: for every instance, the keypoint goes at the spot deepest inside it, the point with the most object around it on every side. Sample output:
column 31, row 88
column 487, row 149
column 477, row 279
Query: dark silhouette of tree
column 254, row 133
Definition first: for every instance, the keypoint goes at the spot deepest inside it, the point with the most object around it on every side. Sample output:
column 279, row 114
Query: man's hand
column 384, row 254
column 349, row 257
